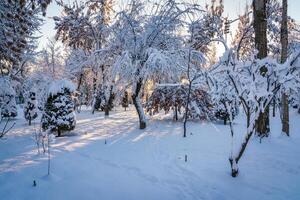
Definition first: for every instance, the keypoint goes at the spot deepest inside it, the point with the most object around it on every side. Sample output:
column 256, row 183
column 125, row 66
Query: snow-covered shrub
column 174, row 97
column 7, row 98
column 30, row 107
column 59, row 114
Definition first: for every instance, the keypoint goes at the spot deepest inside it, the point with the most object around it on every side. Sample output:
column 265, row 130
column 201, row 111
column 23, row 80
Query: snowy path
column 148, row 164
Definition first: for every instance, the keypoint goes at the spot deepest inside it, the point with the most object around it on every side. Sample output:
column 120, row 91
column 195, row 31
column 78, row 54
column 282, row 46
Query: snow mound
column 59, row 86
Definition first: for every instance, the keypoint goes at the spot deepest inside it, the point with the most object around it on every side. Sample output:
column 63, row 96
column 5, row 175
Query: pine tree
column 30, row 107
column 8, row 104
column 19, row 21
column 59, row 114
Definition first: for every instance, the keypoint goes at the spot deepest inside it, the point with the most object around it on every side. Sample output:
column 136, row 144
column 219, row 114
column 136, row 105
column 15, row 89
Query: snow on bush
column 59, row 114
column 174, row 97
column 30, row 107
column 7, row 98
column 60, row 86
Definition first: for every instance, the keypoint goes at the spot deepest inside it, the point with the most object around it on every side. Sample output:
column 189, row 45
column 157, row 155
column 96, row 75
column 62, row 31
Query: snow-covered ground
column 111, row 159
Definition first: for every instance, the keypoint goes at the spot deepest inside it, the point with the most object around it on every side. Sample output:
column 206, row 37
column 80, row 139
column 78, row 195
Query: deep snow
column 149, row 164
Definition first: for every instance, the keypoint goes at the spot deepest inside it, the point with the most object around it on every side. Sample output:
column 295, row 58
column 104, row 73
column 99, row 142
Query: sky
column 232, row 8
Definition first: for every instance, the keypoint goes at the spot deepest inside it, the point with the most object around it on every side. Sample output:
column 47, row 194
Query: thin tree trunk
column 260, row 28
column 106, row 106
column 186, row 110
column 175, row 113
column 274, row 107
column 94, row 91
column 188, row 95
column 106, row 110
column 248, row 117
column 234, row 160
column 284, row 52
column 49, row 158
column 138, row 106
column 58, row 133
column 79, row 81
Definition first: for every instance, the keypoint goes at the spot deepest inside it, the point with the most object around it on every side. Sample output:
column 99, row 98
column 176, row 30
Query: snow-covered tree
column 19, row 20
column 148, row 44
column 244, row 36
column 207, row 26
column 242, row 82
column 59, row 115
column 222, row 113
column 8, row 104
column 103, row 101
column 30, row 107
column 51, row 59
column 84, row 27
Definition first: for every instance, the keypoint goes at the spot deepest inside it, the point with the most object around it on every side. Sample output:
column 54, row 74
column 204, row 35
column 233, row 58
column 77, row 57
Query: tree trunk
column 106, row 106
column 137, row 104
column 274, row 107
column 260, row 28
column 234, row 160
column 106, row 110
column 58, row 133
column 263, row 123
column 175, row 113
column 94, row 91
column 49, row 155
column 284, row 52
column 186, row 110
column 79, row 81
column 29, row 121
column 248, row 115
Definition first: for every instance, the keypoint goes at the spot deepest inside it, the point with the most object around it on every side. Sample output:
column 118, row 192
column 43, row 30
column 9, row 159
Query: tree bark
column 94, row 91
column 284, row 52
column 58, row 133
column 79, row 81
column 260, row 29
column 137, row 104
column 186, row 110
column 175, row 113
column 274, row 107
column 106, row 110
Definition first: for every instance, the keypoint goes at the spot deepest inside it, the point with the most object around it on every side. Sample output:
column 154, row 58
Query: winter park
column 149, row 100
